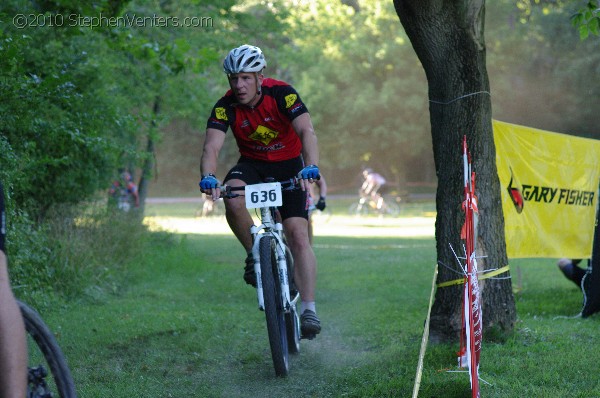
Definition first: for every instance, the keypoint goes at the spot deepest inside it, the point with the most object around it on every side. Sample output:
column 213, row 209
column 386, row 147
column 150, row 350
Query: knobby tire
column 292, row 318
column 274, row 313
column 45, row 341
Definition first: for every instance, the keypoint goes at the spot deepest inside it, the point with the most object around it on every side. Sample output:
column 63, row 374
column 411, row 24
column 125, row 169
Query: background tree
column 540, row 71
column 55, row 111
column 448, row 37
column 353, row 88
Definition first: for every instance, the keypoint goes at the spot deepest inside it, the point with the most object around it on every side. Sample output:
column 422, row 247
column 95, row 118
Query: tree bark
column 448, row 38
column 150, row 161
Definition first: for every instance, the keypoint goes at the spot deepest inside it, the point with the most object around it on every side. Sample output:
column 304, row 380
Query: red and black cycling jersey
column 264, row 131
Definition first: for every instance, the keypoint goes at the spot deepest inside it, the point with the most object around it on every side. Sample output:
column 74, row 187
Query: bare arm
column 322, row 187
column 310, row 150
column 13, row 346
column 213, row 142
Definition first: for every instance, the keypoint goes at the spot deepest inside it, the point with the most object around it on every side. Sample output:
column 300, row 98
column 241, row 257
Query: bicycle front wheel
column 274, row 311
column 390, row 208
column 45, row 356
column 358, row 209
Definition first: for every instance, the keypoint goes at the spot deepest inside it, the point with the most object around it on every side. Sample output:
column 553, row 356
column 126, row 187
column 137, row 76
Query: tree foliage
column 540, row 72
column 353, row 74
column 587, row 20
column 55, row 112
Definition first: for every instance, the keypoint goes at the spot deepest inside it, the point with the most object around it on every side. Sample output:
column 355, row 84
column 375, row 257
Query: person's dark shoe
column 249, row 274
column 310, row 325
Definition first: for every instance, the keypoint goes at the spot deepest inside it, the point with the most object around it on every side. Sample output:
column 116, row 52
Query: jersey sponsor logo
column 264, row 135
column 221, row 114
column 217, row 121
column 296, row 108
column 290, row 99
column 274, row 147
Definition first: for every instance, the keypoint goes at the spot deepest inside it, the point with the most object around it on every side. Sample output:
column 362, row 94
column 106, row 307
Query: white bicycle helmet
column 245, row 58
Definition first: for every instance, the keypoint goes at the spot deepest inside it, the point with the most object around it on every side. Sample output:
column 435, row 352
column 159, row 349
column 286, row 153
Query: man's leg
column 305, row 273
column 240, row 221
column 570, row 269
column 238, row 217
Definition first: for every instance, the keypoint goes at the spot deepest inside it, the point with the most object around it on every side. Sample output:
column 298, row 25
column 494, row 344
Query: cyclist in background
column 13, row 343
column 276, row 138
column 372, row 182
column 371, row 185
column 123, row 193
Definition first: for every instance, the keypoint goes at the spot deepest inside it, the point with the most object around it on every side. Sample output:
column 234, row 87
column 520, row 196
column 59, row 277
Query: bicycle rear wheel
column 274, row 311
column 292, row 318
column 45, row 356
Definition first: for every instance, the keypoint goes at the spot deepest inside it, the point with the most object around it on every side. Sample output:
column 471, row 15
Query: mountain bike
column 274, row 268
column 373, row 203
column 48, row 372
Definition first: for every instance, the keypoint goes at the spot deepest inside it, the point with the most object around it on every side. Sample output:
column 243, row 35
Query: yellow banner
column 549, row 185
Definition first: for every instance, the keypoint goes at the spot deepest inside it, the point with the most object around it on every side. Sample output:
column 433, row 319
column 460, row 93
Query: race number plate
column 263, row 195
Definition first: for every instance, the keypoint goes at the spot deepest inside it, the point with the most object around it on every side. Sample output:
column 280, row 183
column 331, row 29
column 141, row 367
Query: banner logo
column 556, row 176
column 515, row 195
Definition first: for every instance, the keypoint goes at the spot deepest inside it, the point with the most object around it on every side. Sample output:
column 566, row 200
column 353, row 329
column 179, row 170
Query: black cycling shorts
column 251, row 171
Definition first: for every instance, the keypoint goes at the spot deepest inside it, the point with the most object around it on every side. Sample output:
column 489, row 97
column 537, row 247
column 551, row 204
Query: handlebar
column 286, row 185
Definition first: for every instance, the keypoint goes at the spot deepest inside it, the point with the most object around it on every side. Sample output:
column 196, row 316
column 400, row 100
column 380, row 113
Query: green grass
column 338, row 205
column 186, row 325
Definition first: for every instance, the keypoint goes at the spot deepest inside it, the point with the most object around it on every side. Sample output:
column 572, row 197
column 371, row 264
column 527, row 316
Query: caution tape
column 484, row 276
column 425, row 338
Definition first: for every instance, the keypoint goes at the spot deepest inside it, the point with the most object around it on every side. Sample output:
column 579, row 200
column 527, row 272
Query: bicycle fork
column 281, row 263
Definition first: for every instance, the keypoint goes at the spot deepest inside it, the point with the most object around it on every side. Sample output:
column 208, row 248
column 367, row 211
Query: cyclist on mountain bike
column 276, row 138
column 13, row 345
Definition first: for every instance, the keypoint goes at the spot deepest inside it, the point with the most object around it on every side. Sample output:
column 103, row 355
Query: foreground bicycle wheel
column 274, row 313
column 48, row 373
column 292, row 318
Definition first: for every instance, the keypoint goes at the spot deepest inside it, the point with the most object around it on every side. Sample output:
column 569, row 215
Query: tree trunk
column 150, row 161
column 447, row 36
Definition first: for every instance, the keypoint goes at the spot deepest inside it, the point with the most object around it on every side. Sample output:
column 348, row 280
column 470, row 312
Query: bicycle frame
column 269, row 225
column 271, row 256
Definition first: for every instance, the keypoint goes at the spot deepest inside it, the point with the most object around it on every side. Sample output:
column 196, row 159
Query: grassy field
column 186, row 325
